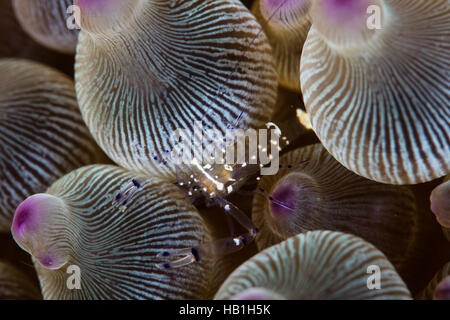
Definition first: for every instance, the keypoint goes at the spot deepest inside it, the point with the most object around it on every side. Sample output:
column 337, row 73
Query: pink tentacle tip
column 348, row 7
column 344, row 11
column 93, row 4
column 48, row 261
column 282, row 202
column 26, row 216
column 31, row 226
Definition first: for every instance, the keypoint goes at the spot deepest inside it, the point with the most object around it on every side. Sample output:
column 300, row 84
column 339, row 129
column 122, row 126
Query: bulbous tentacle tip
column 93, row 5
column 282, row 201
column 345, row 11
column 442, row 291
column 346, row 22
column 258, row 294
column 440, row 203
column 30, row 223
column 105, row 16
column 26, row 217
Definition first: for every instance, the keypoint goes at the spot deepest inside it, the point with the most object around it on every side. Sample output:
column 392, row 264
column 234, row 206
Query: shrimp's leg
column 181, row 257
column 122, row 198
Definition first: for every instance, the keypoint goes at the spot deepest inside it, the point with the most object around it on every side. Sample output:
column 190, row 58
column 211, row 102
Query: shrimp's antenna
column 181, row 257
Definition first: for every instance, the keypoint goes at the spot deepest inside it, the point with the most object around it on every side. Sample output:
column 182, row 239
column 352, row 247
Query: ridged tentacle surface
column 317, row 265
column 381, row 106
column 116, row 250
column 429, row 292
column 42, row 134
column 16, row 43
column 175, row 63
column 324, row 195
column 46, row 22
column 14, row 285
column 286, row 24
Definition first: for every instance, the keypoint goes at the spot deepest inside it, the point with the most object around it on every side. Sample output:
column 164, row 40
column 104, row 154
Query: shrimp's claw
column 123, row 197
column 184, row 261
column 182, row 257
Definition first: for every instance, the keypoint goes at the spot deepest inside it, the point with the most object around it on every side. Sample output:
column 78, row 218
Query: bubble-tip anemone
column 321, row 194
column 147, row 68
column 75, row 224
column 316, row 265
column 46, row 22
column 286, row 23
column 378, row 96
column 42, row 134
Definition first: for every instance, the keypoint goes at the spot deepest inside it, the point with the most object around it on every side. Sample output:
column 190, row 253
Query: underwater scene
column 224, row 150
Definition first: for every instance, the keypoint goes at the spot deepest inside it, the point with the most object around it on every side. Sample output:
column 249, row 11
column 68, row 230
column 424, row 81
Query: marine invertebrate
column 74, row 224
column 45, row 22
column 316, row 265
column 14, row 285
column 190, row 61
column 222, row 226
column 16, row 43
column 438, row 287
column 42, row 134
column 321, row 194
column 378, row 96
column 214, row 183
column 286, row 24
column 440, row 205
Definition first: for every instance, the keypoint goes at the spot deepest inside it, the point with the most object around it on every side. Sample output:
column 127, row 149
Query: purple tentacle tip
column 25, row 217
column 282, row 202
column 32, row 222
column 345, row 6
column 345, row 12
column 47, row 260
column 92, row 4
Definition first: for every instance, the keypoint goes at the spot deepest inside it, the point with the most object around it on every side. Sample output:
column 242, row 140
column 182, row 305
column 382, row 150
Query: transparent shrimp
column 214, row 182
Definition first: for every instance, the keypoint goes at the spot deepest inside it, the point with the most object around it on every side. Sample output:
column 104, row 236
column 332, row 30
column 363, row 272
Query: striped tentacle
column 175, row 63
column 42, row 134
column 321, row 194
column 317, row 265
column 286, row 24
column 116, row 250
column 380, row 105
column 46, row 22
